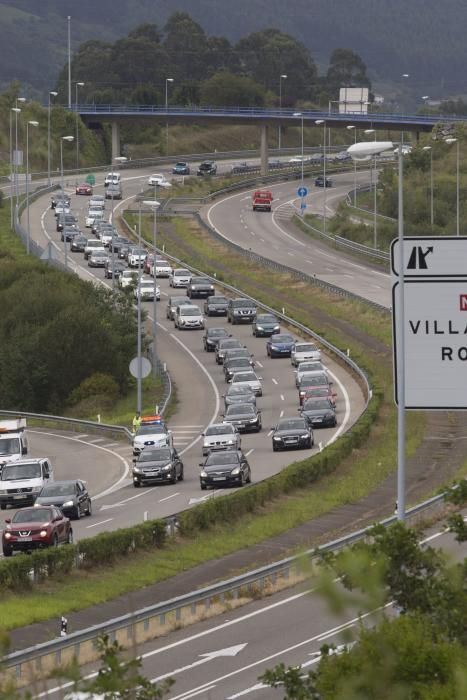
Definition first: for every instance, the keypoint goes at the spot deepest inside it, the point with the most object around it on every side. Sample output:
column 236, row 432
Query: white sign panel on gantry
column 435, row 323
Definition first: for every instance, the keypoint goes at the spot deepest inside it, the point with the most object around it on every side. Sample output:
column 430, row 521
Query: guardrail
column 137, row 627
column 72, row 422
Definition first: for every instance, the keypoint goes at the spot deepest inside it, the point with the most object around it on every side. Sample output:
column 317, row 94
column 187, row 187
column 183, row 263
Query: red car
column 84, row 188
column 313, row 381
column 320, row 392
column 148, row 263
column 36, row 528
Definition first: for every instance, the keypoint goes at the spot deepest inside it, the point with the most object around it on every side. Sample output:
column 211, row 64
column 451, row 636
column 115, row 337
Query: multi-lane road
column 200, row 385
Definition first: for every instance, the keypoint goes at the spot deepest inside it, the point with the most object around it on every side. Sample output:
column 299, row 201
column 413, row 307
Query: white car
column 112, row 179
column 159, row 180
column 250, row 379
column 146, row 289
column 221, row 436
column 127, row 278
column 161, row 268
column 180, row 277
column 153, row 434
column 188, row 316
column 308, row 367
column 136, row 257
column 299, row 159
column 62, row 207
column 93, row 216
column 304, row 351
column 92, row 245
column 97, row 201
column 107, row 236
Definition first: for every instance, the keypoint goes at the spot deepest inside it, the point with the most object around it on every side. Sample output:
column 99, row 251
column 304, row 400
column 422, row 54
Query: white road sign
column 431, row 256
column 435, row 347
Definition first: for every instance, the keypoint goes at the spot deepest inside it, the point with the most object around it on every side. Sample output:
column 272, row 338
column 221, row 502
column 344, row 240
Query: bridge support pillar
column 264, row 149
column 115, row 140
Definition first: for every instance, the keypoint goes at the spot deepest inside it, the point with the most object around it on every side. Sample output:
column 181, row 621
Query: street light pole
column 77, row 85
column 52, row 93
column 16, row 164
column 154, row 204
column 375, row 193
column 167, row 81
column 432, row 218
column 28, row 228
column 116, row 159
column 350, row 127
column 456, row 141
column 62, row 139
column 281, row 78
column 139, row 380
column 69, row 61
column 400, row 350
column 13, row 110
column 323, row 122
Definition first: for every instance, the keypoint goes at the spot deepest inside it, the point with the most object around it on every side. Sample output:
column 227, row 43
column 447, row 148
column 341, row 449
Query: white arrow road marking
column 247, row 691
column 167, row 498
column 101, row 522
column 198, row 500
column 125, row 500
column 228, row 651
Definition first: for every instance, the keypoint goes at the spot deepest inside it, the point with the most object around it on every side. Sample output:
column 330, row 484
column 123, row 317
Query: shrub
column 98, row 384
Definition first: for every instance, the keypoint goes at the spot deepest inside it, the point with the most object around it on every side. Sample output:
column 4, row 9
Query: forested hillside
column 424, row 38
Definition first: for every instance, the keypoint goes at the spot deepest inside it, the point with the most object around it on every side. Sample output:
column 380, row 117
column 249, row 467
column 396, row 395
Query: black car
column 216, row 306
column 319, row 413
column 156, row 464
column 212, row 336
column 239, row 394
column 207, row 167
column 225, row 468
column 114, row 269
column 118, row 242
column 225, row 344
column 71, row 497
column 265, row 325
column 78, row 243
column 320, row 182
column 292, row 433
column 59, row 197
column 245, row 417
column 241, row 310
column 200, row 287
column 65, row 220
column 69, row 233
column 235, row 364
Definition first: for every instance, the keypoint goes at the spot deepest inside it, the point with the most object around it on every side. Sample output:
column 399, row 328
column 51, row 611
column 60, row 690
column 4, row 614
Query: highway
column 221, row 658
column 275, row 237
column 200, row 384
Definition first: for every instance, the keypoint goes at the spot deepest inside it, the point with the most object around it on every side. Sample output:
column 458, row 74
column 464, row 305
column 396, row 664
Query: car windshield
column 175, row 301
column 9, row 446
column 240, row 303
column 155, row 455
column 58, row 490
column 315, row 405
column 200, row 280
column 181, row 273
column 217, row 332
column 222, row 458
column 314, row 380
column 240, row 390
column 238, row 362
column 94, row 244
column 99, row 254
column 239, row 409
column 33, row 515
column 245, row 377
column 12, row 472
column 150, row 429
column 310, row 366
column 147, row 283
column 218, row 300
column 218, row 429
column 317, row 392
column 305, row 347
column 162, row 263
column 180, row 165
column 266, row 318
column 226, row 344
column 282, row 339
column 292, row 424
column 139, row 251
column 190, row 311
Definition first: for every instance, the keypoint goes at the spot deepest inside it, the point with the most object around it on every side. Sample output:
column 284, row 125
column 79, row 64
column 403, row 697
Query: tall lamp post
column 15, row 111
column 28, row 228
column 16, row 158
column 139, row 380
column 375, row 193
column 69, row 139
column 77, row 85
column 300, row 114
column 363, row 151
column 456, row 141
column 281, row 78
column 432, row 218
column 167, row 81
column 318, row 122
column 116, row 159
column 52, row 93
column 154, row 204
column 349, row 128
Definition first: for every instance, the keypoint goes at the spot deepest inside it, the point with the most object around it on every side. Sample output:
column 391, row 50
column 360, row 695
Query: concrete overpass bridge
column 94, row 115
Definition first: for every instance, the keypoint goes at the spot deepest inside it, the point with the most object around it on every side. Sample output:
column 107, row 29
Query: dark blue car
column 280, row 345
column 181, row 169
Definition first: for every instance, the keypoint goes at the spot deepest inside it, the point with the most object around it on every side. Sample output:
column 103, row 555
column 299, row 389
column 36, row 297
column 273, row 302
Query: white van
column 13, row 440
column 21, row 482
column 112, row 179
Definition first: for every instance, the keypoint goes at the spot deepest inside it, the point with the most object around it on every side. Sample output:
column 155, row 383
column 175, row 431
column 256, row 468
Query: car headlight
column 203, row 474
column 259, row 328
column 7, row 535
column 182, row 322
column 68, row 504
column 211, row 287
column 3, row 492
column 137, row 470
column 304, row 437
column 235, row 471
column 36, row 489
column 43, row 533
column 166, row 467
column 276, row 328
column 277, row 438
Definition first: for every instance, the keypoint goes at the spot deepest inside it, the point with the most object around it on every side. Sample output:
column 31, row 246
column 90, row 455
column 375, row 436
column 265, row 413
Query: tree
column 227, row 89
column 346, row 69
column 150, row 32
column 187, row 47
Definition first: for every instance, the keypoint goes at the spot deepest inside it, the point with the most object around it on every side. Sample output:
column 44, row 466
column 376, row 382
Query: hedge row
column 295, row 476
column 23, row 570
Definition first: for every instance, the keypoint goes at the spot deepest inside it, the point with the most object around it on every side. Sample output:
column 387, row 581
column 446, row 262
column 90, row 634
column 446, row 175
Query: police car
column 152, row 431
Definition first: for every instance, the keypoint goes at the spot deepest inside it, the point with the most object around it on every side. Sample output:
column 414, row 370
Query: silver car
column 248, row 378
column 98, row 258
column 304, row 351
column 180, row 277
column 172, row 303
column 146, row 290
column 307, row 368
column 221, row 436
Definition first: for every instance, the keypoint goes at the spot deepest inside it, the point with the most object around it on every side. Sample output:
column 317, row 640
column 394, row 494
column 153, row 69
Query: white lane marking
column 292, row 255
column 310, row 262
column 204, row 658
column 262, row 240
column 247, row 454
column 346, row 418
column 94, row 440
column 376, row 272
column 112, row 444
column 282, row 397
column 167, row 498
column 259, row 364
column 83, row 435
column 284, row 233
column 281, row 414
column 198, row 692
column 101, row 522
column 274, row 381
column 131, row 498
column 118, row 483
column 270, row 433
